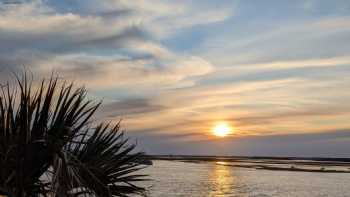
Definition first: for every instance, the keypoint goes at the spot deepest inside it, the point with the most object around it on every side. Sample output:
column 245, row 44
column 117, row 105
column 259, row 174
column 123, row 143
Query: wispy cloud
column 98, row 43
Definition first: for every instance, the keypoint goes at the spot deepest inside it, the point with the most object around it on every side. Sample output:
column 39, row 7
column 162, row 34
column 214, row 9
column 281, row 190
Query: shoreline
column 295, row 164
column 331, row 160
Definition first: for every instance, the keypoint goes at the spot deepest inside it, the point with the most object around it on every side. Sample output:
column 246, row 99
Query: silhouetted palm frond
column 47, row 148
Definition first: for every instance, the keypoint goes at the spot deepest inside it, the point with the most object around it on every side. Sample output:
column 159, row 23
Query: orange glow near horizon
column 222, row 129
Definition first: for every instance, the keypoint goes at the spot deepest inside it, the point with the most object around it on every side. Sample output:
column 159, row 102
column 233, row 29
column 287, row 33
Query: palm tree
column 48, row 146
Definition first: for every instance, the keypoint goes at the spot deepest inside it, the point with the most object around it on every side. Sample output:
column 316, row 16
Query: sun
column 222, row 129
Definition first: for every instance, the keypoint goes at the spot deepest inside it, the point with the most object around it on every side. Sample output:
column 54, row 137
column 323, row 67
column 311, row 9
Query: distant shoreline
column 235, row 158
column 296, row 164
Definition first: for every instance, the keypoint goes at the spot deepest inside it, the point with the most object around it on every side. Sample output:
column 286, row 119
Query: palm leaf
column 48, row 148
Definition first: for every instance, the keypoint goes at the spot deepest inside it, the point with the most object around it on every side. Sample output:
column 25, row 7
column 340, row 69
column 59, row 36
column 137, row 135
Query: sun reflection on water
column 222, row 179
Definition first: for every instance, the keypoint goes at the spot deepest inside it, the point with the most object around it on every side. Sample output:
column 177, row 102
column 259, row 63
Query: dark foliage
column 48, row 149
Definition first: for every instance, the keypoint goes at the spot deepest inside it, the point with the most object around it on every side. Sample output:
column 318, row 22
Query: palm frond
column 46, row 132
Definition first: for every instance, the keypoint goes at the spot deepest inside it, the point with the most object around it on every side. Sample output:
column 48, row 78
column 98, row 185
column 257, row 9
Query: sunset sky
column 276, row 71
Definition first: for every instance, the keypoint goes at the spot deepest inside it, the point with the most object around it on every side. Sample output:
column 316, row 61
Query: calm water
column 174, row 178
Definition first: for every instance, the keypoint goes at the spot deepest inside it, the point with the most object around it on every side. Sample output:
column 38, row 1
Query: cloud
column 321, row 38
column 324, row 62
column 37, row 32
column 329, row 143
column 99, row 72
column 129, row 107
column 38, row 26
column 102, row 43
column 187, row 18
column 262, row 107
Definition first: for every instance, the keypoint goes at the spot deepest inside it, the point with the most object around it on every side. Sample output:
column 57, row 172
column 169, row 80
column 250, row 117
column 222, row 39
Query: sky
column 277, row 71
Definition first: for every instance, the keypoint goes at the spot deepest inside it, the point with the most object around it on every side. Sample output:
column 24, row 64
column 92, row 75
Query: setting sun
column 222, row 129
